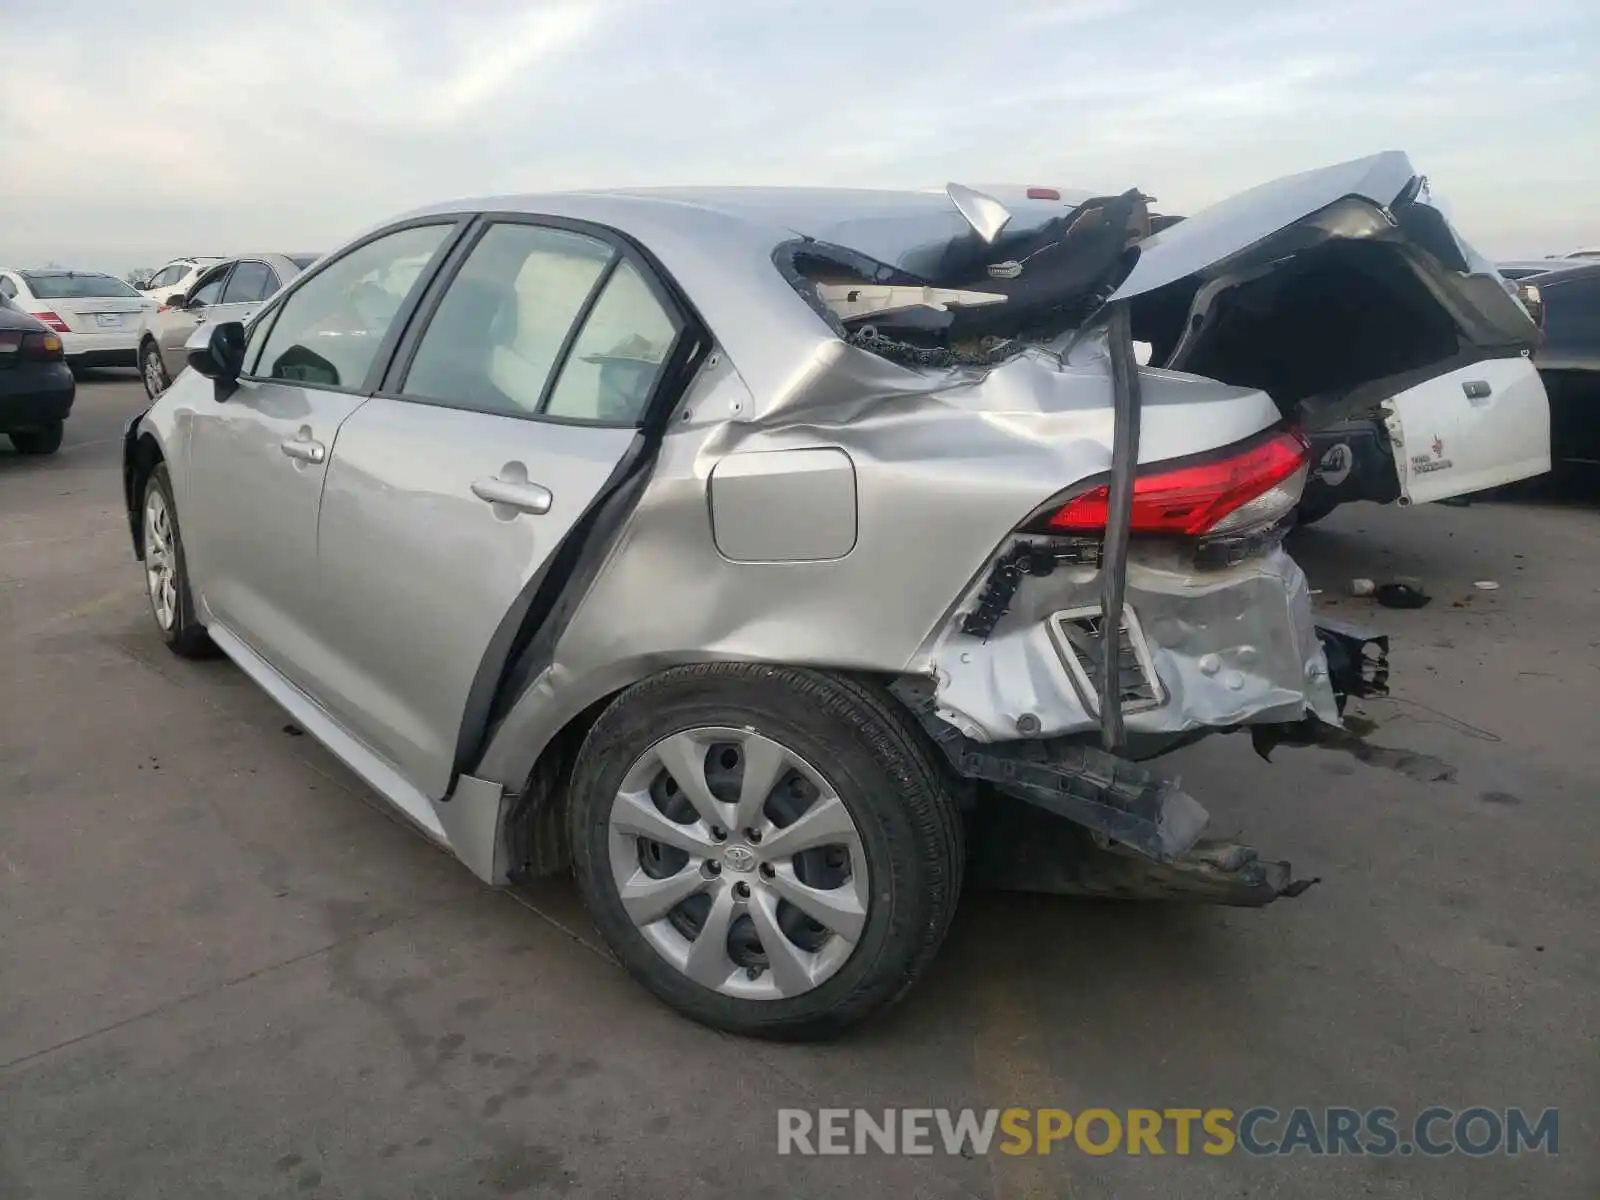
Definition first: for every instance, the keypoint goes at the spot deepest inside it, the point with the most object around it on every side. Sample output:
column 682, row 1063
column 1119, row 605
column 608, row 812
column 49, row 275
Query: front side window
column 208, row 288
column 167, row 276
column 74, row 285
column 330, row 330
column 250, row 282
column 7, row 288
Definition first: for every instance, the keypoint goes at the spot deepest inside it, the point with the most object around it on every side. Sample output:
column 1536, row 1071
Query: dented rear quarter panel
column 943, row 467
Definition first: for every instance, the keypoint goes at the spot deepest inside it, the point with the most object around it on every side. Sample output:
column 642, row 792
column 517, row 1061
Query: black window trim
column 455, row 225
column 689, row 330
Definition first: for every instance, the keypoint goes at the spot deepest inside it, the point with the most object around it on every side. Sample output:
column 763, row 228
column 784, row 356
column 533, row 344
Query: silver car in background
column 232, row 289
column 748, row 552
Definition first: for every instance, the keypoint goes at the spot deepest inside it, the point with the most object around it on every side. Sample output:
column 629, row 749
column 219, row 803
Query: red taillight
column 1212, row 496
column 55, row 322
column 1043, row 193
column 40, row 346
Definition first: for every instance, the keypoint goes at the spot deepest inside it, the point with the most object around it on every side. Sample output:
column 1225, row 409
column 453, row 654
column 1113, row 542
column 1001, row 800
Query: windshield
column 73, row 285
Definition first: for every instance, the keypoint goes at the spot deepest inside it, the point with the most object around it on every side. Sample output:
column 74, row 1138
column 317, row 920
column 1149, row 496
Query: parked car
column 98, row 316
column 1566, row 300
column 748, row 550
column 36, row 386
column 177, row 278
column 232, row 289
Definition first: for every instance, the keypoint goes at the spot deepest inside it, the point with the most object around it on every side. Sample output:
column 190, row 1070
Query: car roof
column 718, row 244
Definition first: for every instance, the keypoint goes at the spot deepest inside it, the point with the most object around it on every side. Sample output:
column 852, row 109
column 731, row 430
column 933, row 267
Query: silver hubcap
column 155, row 375
column 739, row 863
column 160, row 558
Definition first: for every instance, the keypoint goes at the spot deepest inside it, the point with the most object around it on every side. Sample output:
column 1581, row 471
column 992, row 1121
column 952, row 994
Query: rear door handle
column 304, row 449
column 514, row 493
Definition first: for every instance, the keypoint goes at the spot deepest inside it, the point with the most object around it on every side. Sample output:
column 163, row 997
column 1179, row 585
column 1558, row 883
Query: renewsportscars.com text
column 1432, row 1132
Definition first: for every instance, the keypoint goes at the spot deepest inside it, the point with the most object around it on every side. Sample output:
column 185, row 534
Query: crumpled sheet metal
column 947, row 464
column 1230, row 647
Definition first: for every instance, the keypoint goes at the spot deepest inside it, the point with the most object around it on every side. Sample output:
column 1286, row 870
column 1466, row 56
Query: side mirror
column 217, row 351
column 177, row 300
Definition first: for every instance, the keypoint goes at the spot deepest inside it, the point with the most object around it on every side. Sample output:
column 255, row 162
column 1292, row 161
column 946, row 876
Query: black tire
column 39, row 441
column 1310, row 512
column 150, row 363
column 891, row 780
column 185, row 636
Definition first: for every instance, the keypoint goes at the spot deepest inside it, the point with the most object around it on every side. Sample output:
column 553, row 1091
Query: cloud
column 294, row 125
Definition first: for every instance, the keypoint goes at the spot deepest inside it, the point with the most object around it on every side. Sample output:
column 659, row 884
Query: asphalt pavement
column 226, row 972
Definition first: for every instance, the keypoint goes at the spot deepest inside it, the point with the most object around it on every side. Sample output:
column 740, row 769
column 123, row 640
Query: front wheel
column 771, row 851
column 153, row 371
column 46, row 440
column 166, row 571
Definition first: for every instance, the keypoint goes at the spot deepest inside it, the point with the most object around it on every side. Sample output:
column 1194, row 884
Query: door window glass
column 612, row 368
column 247, row 284
column 499, row 329
column 329, row 331
column 167, row 276
column 208, row 288
column 7, row 288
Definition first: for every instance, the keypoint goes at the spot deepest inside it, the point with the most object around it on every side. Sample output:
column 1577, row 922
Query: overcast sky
column 131, row 133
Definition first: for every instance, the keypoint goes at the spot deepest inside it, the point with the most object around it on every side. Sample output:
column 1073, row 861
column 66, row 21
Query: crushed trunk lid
column 1331, row 290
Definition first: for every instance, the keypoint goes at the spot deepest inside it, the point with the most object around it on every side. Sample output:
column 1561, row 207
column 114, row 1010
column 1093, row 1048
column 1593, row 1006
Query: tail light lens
column 1246, row 486
column 50, row 319
column 40, row 346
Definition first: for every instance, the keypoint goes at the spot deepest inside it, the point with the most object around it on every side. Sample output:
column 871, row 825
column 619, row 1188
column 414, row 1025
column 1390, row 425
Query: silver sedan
column 748, row 553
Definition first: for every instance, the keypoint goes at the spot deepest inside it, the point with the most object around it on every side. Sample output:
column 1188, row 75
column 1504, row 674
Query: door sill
column 374, row 771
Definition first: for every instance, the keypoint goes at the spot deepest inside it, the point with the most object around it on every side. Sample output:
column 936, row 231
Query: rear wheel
column 46, row 440
column 166, row 571
column 153, row 371
column 771, row 851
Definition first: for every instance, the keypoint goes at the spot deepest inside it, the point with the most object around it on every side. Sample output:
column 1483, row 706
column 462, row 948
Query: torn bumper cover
column 1094, row 823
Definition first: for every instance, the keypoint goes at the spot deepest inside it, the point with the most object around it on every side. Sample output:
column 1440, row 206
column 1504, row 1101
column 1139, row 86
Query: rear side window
column 612, row 367
column 545, row 321
column 329, row 331
column 497, row 335
column 75, row 286
column 7, row 288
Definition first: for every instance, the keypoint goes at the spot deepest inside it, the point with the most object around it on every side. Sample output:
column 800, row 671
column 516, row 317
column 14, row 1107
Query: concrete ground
column 225, row 972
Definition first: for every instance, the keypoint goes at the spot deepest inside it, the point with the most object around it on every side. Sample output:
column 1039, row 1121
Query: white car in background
column 99, row 317
column 177, row 278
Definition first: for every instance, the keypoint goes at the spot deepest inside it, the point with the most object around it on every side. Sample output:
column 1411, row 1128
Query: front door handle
column 514, row 493
column 304, row 449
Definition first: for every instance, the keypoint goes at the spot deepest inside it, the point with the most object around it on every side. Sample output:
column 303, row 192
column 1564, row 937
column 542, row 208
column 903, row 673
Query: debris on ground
column 1401, row 595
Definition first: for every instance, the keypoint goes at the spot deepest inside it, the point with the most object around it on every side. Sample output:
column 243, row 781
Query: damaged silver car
column 749, row 553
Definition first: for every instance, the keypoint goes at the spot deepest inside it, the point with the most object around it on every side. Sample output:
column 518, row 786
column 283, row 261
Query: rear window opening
column 983, row 301
column 74, row 285
column 1333, row 318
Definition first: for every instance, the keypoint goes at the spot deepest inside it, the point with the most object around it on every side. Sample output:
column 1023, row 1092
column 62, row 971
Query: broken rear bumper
column 1094, row 824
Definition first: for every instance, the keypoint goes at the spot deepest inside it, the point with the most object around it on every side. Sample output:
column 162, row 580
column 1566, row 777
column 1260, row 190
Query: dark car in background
column 36, row 386
column 1564, row 299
